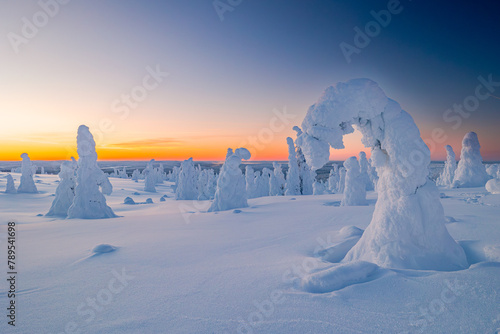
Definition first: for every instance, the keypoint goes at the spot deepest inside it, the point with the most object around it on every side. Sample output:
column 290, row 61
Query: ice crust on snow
column 89, row 202
column 470, row 171
column 408, row 226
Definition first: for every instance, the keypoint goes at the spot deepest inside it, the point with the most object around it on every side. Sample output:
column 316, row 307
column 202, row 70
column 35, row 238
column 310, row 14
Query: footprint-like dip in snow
column 339, row 277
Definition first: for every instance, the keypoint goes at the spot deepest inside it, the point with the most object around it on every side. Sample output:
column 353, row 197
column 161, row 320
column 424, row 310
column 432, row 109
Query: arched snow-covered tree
column 470, row 171
column 27, row 185
column 65, row 192
column 408, row 225
column 446, row 177
column 355, row 184
column 231, row 186
column 89, row 202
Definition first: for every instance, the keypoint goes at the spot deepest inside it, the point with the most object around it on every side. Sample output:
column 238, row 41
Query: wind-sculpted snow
column 446, row 177
column 408, row 226
column 470, row 171
column 89, row 202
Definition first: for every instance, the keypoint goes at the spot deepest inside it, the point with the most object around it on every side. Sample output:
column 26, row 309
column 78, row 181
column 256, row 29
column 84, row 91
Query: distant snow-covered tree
column 470, row 171
column 355, row 184
column 65, row 192
column 364, row 169
column 446, row 177
column 149, row 177
column 277, row 181
column 292, row 176
column 187, row 182
column 10, row 188
column 27, row 184
column 251, row 182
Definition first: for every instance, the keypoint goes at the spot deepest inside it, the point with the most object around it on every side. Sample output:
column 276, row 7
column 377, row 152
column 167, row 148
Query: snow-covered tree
column 492, row 170
column 305, row 173
column 135, row 175
column 251, row 182
column 341, row 184
column 149, row 177
column 27, row 184
column 372, row 172
column 262, row 182
column 231, row 186
column 355, row 184
column 292, row 176
column 470, row 171
column 89, row 202
column 446, row 177
column 318, row 187
column 333, row 179
column 408, row 225
column 187, row 182
column 364, row 167
column 10, row 188
column 65, row 192
column 206, row 184
column 277, row 181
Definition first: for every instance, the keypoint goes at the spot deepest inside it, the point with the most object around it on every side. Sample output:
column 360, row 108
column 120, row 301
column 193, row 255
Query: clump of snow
column 231, row 186
column 470, row 171
column 446, row 177
column 187, row 182
column 350, row 231
column 89, row 202
column 128, row 200
column 27, row 185
column 10, row 188
column 408, row 226
column 355, row 184
column 65, row 192
column 292, row 177
column 493, row 186
column 103, row 248
column 492, row 253
column 149, row 201
column 149, row 177
column 339, row 277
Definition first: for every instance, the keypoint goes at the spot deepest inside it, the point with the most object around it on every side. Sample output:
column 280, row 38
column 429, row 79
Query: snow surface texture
column 65, row 192
column 10, row 188
column 355, row 184
column 89, row 202
column 446, row 177
column 231, row 187
column 408, row 225
column 187, row 182
column 470, row 171
column 27, row 184
column 292, row 177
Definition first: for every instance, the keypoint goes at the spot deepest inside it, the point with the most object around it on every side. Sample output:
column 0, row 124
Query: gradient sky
column 228, row 78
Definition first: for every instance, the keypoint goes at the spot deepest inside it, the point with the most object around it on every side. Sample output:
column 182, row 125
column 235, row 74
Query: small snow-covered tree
column 135, row 175
column 372, row 172
column 446, row 177
column 65, row 192
column 492, row 170
column 206, row 184
column 251, row 182
column 262, row 181
column 292, row 176
column 149, row 177
column 355, row 184
column 27, row 185
column 231, row 186
column 341, row 184
column 364, row 167
column 318, row 187
column 89, row 202
column 10, row 188
column 333, row 178
column 188, row 179
column 470, row 171
column 277, row 181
